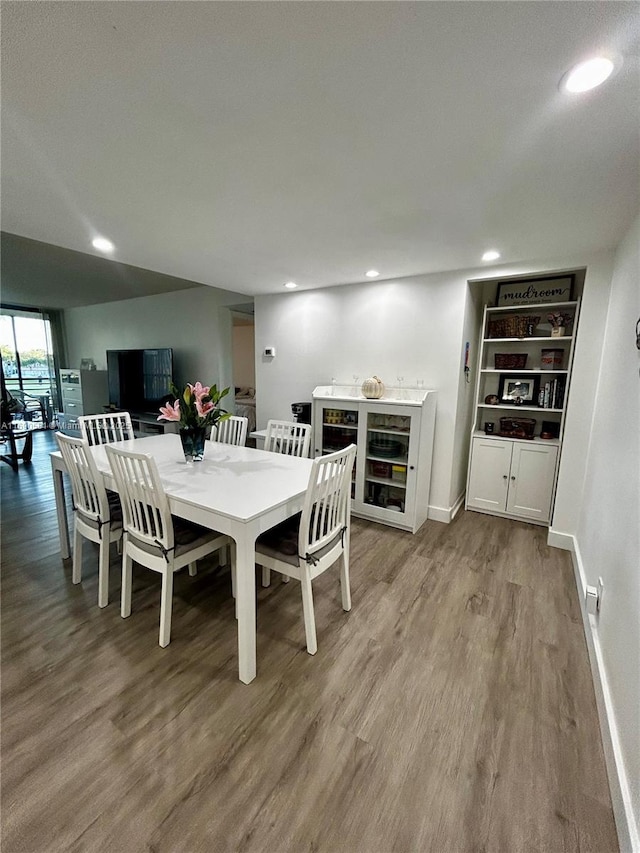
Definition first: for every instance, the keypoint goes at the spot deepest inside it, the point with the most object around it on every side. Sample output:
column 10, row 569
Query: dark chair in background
column 32, row 409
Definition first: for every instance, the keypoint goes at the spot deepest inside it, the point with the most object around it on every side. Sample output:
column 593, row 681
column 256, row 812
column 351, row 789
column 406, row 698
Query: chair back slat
column 145, row 506
column 105, row 429
column 233, row 430
column 288, row 437
column 89, row 493
column 327, row 504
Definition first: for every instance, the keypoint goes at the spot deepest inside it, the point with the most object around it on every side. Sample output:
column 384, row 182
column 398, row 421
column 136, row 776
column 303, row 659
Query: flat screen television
column 139, row 379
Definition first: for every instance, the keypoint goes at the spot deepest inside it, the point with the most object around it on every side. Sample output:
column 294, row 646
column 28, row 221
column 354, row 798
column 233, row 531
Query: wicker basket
column 517, row 427
column 510, row 360
column 513, row 327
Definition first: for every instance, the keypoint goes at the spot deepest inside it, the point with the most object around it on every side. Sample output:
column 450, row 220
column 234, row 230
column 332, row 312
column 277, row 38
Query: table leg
column 246, row 607
column 61, row 510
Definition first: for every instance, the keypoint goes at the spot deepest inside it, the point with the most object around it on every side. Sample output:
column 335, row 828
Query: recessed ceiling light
column 102, row 244
column 491, row 255
column 587, row 75
column 291, row 285
column 372, row 273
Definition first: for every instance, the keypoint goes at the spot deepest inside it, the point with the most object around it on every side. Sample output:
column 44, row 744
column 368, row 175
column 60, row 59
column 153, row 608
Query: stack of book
column 551, row 394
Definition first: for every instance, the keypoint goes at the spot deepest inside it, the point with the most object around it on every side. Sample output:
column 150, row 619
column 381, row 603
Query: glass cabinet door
column 338, row 429
column 389, row 467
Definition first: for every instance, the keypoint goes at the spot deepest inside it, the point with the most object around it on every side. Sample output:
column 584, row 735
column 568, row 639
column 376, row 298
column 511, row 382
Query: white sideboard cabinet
column 522, row 388
column 394, row 440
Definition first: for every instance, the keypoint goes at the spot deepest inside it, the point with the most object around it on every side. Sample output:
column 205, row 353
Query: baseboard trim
column 439, row 513
column 457, row 506
column 628, row 834
column 445, row 514
column 561, row 540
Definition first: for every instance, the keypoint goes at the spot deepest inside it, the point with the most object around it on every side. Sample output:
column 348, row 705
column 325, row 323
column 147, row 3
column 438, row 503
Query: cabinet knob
column 505, row 477
column 411, row 467
column 513, row 478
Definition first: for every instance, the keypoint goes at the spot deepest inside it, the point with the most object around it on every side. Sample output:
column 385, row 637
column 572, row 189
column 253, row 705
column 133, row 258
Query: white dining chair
column 308, row 544
column 292, row 439
column 104, row 429
column 232, row 430
column 97, row 513
column 288, row 437
column 152, row 536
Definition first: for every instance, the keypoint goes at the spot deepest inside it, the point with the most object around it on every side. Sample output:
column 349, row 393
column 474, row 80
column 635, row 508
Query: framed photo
column 518, row 389
column 535, row 291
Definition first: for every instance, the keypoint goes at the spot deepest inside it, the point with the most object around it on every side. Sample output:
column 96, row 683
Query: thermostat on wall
column 270, row 352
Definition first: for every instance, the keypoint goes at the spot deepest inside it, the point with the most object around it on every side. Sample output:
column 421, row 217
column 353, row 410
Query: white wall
column 417, row 327
column 196, row 323
column 608, row 532
column 466, row 393
column 582, row 397
column 244, row 356
column 410, row 328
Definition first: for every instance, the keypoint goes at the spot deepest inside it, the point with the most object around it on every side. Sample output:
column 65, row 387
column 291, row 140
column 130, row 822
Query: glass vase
column 193, row 441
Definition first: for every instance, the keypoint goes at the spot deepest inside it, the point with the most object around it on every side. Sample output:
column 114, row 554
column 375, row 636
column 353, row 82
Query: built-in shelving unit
column 513, row 469
column 394, row 440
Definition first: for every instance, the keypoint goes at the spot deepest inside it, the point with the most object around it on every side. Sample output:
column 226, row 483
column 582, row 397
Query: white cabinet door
column 489, row 474
column 336, row 427
column 390, row 460
column 513, row 477
column 531, row 480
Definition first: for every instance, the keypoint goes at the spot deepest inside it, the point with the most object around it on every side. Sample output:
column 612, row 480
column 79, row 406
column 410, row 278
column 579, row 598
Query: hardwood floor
column 451, row 710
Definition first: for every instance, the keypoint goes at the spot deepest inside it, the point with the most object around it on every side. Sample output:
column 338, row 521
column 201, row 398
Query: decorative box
column 510, row 360
column 517, row 427
column 551, row 359
column 513, row 327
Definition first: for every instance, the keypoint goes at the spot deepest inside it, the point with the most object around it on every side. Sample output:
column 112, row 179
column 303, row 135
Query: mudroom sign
column 535, row 291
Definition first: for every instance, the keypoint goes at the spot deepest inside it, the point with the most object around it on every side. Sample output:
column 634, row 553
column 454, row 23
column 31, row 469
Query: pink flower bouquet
column 197, row 406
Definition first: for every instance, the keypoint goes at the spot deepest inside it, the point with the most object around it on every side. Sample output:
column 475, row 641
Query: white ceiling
column 243, row 144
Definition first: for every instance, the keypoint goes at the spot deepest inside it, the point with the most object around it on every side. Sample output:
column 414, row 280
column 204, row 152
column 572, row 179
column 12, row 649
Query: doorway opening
column 244, row 362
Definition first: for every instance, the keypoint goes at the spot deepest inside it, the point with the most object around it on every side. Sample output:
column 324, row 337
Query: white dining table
column 239, row 491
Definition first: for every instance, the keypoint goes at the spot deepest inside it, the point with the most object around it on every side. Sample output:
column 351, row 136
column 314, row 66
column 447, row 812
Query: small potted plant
column 559, row 320
column 195, row 409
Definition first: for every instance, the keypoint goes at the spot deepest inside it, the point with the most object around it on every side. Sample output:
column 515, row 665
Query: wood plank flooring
column 451, row 710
